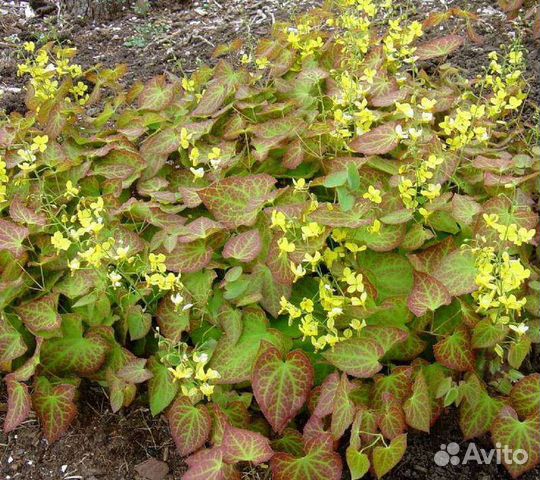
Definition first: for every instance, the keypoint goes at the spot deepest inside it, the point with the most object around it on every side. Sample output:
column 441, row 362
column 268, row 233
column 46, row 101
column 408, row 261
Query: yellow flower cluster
column 191, row 371
column 415, row 188
column 47, row 70
column 504, row 81
column 28, row 154
column 342, row 288
column 512, row 233
column 3, row 180
column 498, row 276
column 461, row 129
column 397, row 42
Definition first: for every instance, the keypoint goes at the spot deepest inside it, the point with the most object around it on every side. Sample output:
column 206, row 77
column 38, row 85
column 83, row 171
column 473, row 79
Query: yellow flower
column 262, row 63
column 298, row 270
column 157, row 262
column 312, row 229
column 181, row 372
column 279, row 220
column 185, row 137
column 60, row 242
column 194, row 155
column 373, row 195
column 39, row 143
column 71, row 191
column 207, row 390
column 375, row 227
column 285, row 246
column 307, row 305
column 405, row 109
column 300, row 185
column 188, row 85
column 197, row 172
column 30, row 47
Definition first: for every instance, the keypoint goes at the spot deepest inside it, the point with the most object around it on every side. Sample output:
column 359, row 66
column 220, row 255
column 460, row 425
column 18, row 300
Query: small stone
column 152, row 469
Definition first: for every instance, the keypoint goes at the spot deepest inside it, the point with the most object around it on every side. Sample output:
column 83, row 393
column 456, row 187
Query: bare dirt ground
column 179, row 35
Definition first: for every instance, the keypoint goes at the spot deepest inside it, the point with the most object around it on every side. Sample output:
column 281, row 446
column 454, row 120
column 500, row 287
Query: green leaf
column 41, row 315
column 325, row 402
column 319, row 463
column 390, row 273
column 417, row 407
column 240, row 445
column 457, row 272
column 281, row 386
column 525, row 395
column 235, row 359
column 390, row 417
column 54, row 406
column 487, row 334
column 291, row 441
column 156, row 95
column 454, row 351
column 213, row 97
column 386, row 337
column 207, row 464
column 465, row 209
column 189, row 257
column 380, row 140
column 74, row 352
column 358, row 463
column 134, row 371
column 438, row 47
column 386, row 458
column 189, row 424
column 161, row 387
column 343, row 409
column 358, row 357
column 518, row 351
column 19, row 404
column 12, row 237
column 517, row 434
column 477, row 409
column 12, row 344
column 236, row 201
column 244, row 247
column 428, row 294
column 353, row 177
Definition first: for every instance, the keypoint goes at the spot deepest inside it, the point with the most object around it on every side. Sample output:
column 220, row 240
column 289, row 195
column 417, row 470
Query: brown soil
column 178, row 35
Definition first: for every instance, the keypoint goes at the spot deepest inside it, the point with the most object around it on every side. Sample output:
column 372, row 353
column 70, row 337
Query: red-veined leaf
column 438, row 47
column 343, row 408
column 319, row 463
column 516, row 434
column 454, row 351
column 41, row 315
column 428, row 294
column 358, row 357
column 54, row 406
column 386, row 458
column 380, row 140
column 240, row 445
column 12, row 237
column 281, row 386
column 417, row 407
column 244, row 247
column 525, row 395
column 134, row 371
column 190, row 425
column 18, row 405
column 236, row 201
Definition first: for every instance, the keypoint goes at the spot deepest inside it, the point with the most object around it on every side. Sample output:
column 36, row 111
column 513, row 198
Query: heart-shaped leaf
column 525, row 395
column 428, row 294
column 358, row 357
column 380, row 140
column 454, row 351
column 54, row 406
column 386, row 458
column 516, row 434
column 417, row 407
column 190, row 425
column 439, row 47
column 319, row 463
column 240, row 445
column 281, row 386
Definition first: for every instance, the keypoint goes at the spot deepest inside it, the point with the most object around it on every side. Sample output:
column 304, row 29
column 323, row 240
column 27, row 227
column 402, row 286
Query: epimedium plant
column 326, row 238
